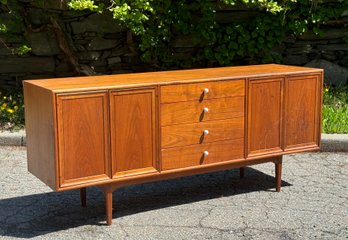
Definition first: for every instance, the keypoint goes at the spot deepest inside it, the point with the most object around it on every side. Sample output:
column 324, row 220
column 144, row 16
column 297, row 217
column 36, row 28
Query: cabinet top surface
column 101, row 82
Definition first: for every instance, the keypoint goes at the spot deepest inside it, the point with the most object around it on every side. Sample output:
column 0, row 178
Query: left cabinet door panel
column 83, row 138
column 133, row 132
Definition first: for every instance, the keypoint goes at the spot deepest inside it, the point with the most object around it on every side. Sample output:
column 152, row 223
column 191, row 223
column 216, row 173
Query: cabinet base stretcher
column 110, row 188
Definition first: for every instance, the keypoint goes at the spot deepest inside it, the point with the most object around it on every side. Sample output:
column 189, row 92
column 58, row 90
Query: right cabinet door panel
column 302, row 103
column 264, row 116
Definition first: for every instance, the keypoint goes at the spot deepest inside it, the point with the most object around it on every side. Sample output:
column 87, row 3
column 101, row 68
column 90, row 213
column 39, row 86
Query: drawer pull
column 206, row 132
column 206, row 90
column 205, row 109
column 205, row 153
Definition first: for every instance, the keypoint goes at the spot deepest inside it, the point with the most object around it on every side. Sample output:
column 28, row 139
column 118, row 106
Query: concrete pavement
column 312, row 204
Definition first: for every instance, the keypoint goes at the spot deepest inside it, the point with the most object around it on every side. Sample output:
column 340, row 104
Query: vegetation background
column 161, row 35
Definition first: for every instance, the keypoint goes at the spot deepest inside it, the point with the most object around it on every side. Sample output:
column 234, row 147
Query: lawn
column 335, row 110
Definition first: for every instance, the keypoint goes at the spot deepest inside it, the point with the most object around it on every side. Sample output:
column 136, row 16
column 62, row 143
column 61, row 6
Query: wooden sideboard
column 116, row 130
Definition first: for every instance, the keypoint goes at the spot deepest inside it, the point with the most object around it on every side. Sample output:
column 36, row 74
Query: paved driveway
column 313, row 204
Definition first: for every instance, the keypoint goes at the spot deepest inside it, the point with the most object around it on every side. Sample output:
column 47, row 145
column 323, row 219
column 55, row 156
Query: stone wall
column 102, row 45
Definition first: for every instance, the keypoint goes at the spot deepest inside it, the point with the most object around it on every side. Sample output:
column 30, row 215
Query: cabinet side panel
column 40, row 133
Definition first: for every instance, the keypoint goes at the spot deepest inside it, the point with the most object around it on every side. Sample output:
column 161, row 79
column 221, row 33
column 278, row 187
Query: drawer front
column 199, row 133
column 196, row 91
column 194, row 155
column 193, row 111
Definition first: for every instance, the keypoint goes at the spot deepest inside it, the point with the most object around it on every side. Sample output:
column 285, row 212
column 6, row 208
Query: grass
column 335, row 110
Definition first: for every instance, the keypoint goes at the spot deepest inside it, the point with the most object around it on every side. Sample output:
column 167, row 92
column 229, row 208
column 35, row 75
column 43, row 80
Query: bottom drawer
column 180, row 157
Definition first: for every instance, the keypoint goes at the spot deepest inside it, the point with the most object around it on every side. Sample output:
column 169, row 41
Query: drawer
column 194, row 155
column 190, row 134
column 193, row 111
column 196, row 91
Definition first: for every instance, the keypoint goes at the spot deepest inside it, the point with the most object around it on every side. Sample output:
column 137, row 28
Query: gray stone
column 330, row 56
column 299, row 49
column 38, row 16
column 295, row 59
column 334, row 143
column 27, row 64
column 12, row 138
column 102, row 44
column 98, row 63
column 89, row 55
column 64, row 67
column 114, row 60
column 6, row 51
column 100, row 23
column 328, row 34
column 333, row 47
column 119, row 51
column 333, row 73
column 344, row 61
column 51, row 4
column 43, row 44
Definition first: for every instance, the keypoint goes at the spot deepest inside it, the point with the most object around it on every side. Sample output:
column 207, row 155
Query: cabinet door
column 264, row 116
column 83, row 138
column 132, row 116
column 302, row 111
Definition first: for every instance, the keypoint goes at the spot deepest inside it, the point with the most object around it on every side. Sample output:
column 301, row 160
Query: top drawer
column 201, row 91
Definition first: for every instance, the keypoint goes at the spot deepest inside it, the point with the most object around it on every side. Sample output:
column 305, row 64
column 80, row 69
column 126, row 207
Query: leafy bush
column 11, row 110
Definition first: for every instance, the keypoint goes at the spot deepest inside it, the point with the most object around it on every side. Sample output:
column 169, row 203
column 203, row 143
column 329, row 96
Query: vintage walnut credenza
column 116, row 130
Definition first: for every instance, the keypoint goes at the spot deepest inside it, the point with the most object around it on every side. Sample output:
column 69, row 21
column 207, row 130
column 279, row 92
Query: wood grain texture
column 181, row 157
column 192, row 111
column 190, row 134
column 301, row 111
column 40, row 133
column 133, row 117
column 122, row 81
column 83, row 138
column 264, row 116
column 195, row 92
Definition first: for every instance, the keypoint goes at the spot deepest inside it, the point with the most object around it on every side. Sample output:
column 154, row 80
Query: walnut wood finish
column 195, row 92
column 136, row 80
column 301, row 117
column 132, row 117
column 78, row 115
column 193, row 111
column 40, row 133
column 114, row 131
column 265, row 116
column 190, row 134
column 83, row 197
column 187, row 156
column 278, row 173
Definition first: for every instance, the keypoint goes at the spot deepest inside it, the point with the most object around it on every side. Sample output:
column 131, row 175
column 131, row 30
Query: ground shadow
column 39, row 214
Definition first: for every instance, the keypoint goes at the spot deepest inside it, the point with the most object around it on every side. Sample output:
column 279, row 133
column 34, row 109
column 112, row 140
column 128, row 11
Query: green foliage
column 335, row 110
column 11, row 110
column 157, row 25
column 22, row 50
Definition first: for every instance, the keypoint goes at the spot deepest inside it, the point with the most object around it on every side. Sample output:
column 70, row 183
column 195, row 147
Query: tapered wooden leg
column 108, row 205
column 241, row 172
column 83, row 197
column 278, row 174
